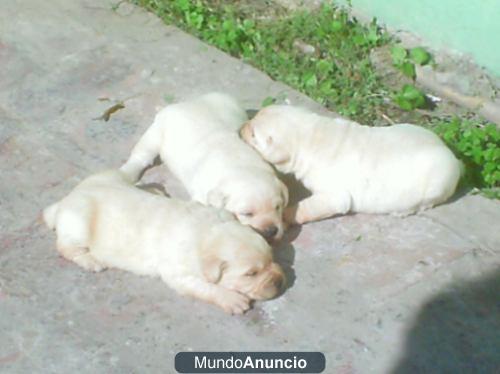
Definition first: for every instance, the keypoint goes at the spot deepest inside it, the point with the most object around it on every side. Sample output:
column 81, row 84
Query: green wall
column 468, row 26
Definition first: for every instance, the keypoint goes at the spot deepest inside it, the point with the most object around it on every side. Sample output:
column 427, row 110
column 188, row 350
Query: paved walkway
column 374, row 293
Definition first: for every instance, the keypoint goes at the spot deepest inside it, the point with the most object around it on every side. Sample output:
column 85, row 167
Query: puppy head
column 255, row 200
column 269, row 132
column 237, row 258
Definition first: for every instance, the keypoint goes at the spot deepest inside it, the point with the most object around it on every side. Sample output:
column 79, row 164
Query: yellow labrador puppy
column 352, row 168
column 198, row 141
column 197, row 250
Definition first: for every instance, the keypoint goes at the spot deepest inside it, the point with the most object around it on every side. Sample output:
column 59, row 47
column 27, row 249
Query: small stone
column 303, row 47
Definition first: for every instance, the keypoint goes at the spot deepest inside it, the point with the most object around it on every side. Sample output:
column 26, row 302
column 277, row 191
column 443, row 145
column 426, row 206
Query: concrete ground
column 376, row 294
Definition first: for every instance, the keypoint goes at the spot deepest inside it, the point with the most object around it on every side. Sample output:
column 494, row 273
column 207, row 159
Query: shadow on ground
column 457, row 331
column 284, row 255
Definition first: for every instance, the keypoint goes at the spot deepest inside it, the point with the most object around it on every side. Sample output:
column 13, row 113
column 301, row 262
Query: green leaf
column 228, row 25
column 359, row 39
column 248, row 24
column 268, row 101
column 353, row 107
column 420, row 56
column 183, row 4
column 326, row 88
column 310, row 79
column 373, row 35
column 398, row 55
column 412, row 93
column 324, row 67
column 410, row 98
column 336, row 26
column 403, row 103
column 408, row 69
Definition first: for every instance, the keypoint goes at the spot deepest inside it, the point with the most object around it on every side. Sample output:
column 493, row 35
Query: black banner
column 250, row 362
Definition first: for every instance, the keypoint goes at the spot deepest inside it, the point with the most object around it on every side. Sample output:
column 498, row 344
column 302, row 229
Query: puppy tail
column 50, row 215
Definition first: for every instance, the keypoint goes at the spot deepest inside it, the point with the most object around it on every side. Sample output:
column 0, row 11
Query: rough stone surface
column 374, row 293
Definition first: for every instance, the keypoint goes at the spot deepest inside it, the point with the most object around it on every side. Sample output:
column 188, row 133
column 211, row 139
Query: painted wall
column 467, row 26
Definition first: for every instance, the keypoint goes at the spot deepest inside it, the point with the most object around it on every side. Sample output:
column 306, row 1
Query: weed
column 338, row 73
column 420, row 56
column 479, row 148
column 409, row 97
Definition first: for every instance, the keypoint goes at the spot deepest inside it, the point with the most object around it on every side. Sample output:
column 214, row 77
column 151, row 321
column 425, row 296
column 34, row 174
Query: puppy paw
column 89, row 263
column 233, row 302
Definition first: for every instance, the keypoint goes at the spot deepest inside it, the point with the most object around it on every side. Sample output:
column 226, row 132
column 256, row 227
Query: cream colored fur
column 197, row 250
column 198, row 141
column 348, row 167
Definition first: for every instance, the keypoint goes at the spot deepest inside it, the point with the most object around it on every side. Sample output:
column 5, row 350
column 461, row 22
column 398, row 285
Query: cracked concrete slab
column 374, row 293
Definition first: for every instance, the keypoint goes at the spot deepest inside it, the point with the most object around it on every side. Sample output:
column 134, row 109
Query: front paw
column 89, row 263
column 233, row 302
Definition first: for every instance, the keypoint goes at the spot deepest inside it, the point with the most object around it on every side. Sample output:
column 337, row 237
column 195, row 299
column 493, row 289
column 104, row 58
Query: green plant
column 338, row 73
column 420, row 56
column 404, row 60
column 268, row 101
column 479, row 148
column 409, row 97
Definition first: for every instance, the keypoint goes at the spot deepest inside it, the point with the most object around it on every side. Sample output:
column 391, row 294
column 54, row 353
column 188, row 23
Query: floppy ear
column 216, row 198
column 212, row 267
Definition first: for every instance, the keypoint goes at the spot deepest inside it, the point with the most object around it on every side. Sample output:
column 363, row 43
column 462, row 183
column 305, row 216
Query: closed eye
column 251, row 273
column 252, row 133
column 247, row 214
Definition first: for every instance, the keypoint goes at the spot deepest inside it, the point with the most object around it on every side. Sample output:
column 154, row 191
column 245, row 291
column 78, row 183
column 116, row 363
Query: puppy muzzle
column 270, row 232
column 272, row 285
column 272, row 235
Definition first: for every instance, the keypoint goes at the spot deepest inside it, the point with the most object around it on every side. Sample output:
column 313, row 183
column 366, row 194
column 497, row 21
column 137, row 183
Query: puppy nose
column 279, row 283
column 270, row 232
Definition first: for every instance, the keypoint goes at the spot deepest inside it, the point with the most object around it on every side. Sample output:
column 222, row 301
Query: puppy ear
column 216, row 198
column 212, row 267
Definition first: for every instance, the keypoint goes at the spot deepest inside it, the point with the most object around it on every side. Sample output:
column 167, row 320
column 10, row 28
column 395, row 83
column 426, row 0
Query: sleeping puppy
column 197, row 250
column 399, row 169
column 198, row 141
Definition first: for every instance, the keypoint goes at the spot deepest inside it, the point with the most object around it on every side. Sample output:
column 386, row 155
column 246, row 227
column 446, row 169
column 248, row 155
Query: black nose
column 270, row 231
column 278, row 283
